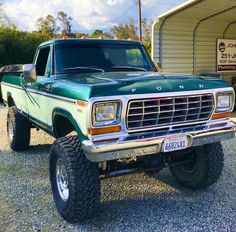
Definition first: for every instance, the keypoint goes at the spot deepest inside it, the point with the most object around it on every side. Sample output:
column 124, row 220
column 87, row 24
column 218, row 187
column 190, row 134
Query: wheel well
column 62, row 126
column 10, row 101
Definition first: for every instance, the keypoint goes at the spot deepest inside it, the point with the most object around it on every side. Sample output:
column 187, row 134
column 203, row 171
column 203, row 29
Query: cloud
column 87, row 15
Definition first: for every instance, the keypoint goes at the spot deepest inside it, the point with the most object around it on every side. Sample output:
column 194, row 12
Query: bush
column 17, row 47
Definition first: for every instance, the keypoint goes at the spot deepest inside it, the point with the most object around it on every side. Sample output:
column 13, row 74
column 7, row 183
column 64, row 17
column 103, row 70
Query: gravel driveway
column 130, row 203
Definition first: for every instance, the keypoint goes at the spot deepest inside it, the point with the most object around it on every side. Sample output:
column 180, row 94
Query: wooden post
column 140, row 20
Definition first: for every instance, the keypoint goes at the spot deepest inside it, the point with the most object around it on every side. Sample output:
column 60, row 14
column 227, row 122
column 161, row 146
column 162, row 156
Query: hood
column 85, row 86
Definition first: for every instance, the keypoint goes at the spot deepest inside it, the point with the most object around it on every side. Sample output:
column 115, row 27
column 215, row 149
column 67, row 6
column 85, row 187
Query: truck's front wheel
column 203, row 170
column 74, row 180
column 18, row 129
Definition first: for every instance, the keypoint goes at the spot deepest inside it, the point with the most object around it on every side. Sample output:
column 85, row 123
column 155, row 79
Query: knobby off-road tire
column 18, row 129
column 152, row 173
column 205, row 170
column 81, row 195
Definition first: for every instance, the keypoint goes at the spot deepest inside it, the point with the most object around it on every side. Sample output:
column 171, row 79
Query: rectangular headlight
column 106, row 113
column 224, row 102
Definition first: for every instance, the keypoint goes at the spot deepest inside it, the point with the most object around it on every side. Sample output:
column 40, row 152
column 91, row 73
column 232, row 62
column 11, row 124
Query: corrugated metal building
column 185, row 38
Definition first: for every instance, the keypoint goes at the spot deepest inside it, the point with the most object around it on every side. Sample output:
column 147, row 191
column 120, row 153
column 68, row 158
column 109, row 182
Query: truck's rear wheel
column 18, row 129
column 74, row 180
column 203, row 170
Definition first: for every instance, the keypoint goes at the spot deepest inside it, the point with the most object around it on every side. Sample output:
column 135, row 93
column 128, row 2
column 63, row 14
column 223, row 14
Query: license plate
column 175, row 143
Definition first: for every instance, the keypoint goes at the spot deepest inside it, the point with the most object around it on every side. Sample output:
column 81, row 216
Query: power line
column 125, row 12
column 162, row 3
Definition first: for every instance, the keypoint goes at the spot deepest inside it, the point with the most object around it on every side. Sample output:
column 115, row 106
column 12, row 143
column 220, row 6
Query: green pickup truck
column 112, row 113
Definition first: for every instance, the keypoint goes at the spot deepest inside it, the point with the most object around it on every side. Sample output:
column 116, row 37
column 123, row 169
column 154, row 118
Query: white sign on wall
column 226, row 55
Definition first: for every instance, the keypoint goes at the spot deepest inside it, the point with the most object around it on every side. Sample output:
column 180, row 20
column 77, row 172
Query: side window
column 49, row 65
column 43, row 62
column 134, row 57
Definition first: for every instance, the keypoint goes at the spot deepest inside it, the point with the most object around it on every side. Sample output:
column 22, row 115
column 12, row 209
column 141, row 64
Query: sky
column 87, row 15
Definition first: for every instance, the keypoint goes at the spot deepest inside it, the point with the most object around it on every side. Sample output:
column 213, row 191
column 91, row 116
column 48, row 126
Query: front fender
column 68, row 115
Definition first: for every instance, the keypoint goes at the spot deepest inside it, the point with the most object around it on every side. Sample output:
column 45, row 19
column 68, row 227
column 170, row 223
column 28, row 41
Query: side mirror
column 29, row 73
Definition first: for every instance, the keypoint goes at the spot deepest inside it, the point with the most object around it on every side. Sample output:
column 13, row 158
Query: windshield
column 83, row 57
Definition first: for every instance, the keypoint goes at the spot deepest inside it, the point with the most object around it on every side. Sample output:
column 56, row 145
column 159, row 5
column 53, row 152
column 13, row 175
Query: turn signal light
column 104, row 130
column 221, row 115
column 81, row 103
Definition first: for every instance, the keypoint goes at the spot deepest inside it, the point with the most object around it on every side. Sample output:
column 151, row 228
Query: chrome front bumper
column 107, row 150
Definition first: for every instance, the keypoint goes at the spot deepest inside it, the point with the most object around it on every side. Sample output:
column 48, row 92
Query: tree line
column 62, row 25
column 18, row 47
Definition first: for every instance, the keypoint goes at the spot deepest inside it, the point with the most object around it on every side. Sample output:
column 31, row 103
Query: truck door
column 37, row 98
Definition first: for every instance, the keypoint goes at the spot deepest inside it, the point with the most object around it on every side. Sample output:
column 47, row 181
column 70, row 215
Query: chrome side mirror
column 29, row 73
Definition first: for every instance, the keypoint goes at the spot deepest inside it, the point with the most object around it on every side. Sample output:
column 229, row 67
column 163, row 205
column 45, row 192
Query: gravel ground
column 129, row 203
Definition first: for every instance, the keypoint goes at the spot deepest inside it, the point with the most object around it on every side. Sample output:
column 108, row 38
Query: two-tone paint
column 54, row 95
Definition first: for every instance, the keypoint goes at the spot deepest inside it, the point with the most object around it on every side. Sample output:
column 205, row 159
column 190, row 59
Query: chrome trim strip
column 31, row 90
column 173, row 111
column 66, row 99
column 119, row 150
column 126, row 98
column 11, row 85
column 208, row 127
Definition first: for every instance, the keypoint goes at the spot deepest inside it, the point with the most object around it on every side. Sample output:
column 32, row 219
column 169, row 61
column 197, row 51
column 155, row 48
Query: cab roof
column 90, row 41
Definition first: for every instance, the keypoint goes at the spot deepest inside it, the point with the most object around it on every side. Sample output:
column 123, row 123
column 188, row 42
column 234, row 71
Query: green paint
column 84, row 86
column 89, row 41
column 12, row 79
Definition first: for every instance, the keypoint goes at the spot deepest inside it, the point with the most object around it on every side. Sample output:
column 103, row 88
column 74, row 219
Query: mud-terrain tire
column 205, row 170
column 18, row 129
column 152, row 173
column 74, row 180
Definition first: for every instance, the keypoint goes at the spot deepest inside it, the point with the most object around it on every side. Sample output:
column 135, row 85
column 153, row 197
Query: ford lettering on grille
column 155, row 112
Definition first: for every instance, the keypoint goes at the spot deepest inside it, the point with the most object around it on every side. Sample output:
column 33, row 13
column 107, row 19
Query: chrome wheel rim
column 190, row 166
column 62, row 180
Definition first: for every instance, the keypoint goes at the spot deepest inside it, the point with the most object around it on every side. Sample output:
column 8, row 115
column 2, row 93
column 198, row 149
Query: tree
column 47, row 25
column 129, row 31
column 96, row 34
column 125, row 31
column 81, row 35
column 4, row 20
column 17, row 47
column 132, row 29
column 121, row 31
column 147, row 36
column 66, row 23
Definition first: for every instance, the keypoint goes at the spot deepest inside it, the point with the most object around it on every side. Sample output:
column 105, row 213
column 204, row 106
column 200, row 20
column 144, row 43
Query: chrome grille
column 155, row 112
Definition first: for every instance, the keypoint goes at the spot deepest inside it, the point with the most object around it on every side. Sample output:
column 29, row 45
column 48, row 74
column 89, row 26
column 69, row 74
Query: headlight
column 106, row 113
column 224, row 102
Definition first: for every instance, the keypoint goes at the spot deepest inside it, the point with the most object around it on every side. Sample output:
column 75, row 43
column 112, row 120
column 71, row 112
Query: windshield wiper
column 84, row 68
column 129, row 67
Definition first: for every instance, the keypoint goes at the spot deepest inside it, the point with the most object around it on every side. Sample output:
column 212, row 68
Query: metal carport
column 184, row 39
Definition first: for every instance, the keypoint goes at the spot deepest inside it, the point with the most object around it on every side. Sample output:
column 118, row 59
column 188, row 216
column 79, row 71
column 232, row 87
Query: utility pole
column 140, row 20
